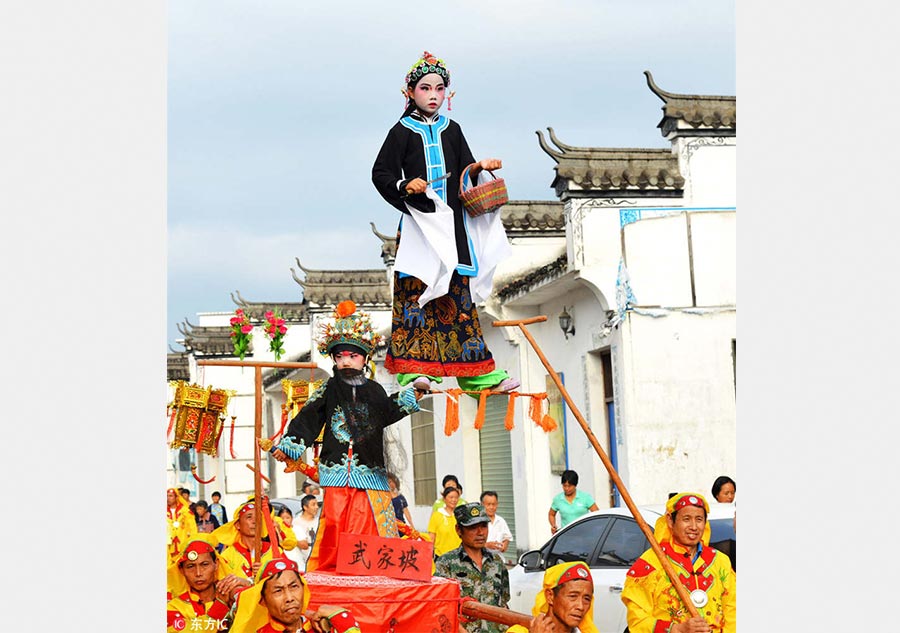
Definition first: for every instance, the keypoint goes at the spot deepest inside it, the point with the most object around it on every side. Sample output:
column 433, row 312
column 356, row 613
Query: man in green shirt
column 481, row 574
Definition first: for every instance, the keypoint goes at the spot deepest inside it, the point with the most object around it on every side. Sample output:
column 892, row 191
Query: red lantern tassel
column 231, row 441
column 171, row 420
column 194, row 473
column 284, row 419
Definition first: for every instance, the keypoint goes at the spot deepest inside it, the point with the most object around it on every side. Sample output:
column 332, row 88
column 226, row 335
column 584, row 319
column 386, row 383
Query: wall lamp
column 566, row 323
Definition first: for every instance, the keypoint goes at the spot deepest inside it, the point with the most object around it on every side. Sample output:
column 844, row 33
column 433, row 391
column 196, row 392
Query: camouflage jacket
column 489, row 585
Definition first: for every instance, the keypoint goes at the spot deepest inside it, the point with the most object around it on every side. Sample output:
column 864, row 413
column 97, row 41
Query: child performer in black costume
column 446, row 259
column 354, row 412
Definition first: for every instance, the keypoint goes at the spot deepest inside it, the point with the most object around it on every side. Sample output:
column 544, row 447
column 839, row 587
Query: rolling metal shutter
column 496, row 464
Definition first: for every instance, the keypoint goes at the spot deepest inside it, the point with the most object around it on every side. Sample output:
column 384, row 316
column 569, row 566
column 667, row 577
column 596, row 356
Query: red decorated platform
column 390, row 605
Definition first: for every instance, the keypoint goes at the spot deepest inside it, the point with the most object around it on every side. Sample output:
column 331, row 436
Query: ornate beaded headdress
column 427, row 63
column 351, row 328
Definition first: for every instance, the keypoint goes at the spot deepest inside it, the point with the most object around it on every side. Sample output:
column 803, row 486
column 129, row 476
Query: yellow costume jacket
column 240, row 561
column 183, row 610
column 181, row 527
column 653, row 604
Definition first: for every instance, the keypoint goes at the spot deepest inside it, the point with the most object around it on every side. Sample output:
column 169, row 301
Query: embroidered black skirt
column 442, row 339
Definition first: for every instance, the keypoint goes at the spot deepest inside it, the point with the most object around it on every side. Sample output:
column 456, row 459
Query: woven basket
column 485, row 198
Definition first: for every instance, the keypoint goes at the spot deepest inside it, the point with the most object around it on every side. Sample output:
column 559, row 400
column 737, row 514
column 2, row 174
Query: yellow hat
column 557, row 575
column 250, row 615
column 227, row 534
column 661, row 530
column 176, row 583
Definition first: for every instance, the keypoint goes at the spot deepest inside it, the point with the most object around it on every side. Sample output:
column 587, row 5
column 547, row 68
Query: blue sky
column 278, row 108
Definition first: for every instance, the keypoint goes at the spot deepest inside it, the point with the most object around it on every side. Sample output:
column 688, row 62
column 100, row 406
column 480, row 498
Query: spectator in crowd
column 286, row 516
column 312, row 488
column 200, row 588
column 571, row 503
column 217, row 509
column 442, row 524
column 295, row 553
column 277, row 601
column 499, row 536
column 401, row 507
column 306, row 526
column 723, row 489
column 481, row 573
column 652, row 603
column 565, row 602
column 448, row 480
column 206, row 522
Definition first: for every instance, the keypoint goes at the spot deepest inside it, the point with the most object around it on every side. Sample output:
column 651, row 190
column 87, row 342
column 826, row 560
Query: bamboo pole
column 663, row 559
column 257, row 481
column 480, row 611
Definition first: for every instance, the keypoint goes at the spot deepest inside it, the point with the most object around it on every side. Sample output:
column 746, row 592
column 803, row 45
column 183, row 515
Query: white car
column 292, row 503
column 609, row 541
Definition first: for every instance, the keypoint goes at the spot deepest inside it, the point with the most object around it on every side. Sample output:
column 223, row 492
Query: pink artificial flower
column 279, row 321
column 235, row 320
column 282, row 329
column 239, row 312
column 269, row 314
column 246, row 329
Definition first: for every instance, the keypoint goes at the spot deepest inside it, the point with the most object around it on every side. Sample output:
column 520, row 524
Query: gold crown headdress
column 350, row 328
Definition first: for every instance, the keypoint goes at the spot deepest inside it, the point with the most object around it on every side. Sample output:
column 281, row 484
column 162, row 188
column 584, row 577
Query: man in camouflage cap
column 481, row 573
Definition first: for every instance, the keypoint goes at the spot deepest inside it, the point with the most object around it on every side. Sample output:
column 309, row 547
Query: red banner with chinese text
column 372, row 555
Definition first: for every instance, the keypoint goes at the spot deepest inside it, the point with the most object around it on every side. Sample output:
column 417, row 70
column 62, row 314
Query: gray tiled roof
column 177, row 367
column 255, row 311
column 613, row 169
column 329, row 287
column 533, row 217
column 208, row 340
column 533, row 278
column 712, row 112
column 388, row 246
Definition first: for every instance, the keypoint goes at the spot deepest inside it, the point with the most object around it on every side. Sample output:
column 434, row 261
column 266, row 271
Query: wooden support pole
column 480, row 611
column 257, row 483
column 266, row 479
column 648, row 532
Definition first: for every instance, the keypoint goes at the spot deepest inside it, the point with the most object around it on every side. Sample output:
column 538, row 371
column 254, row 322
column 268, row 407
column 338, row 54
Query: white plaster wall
column 711, row 171
column 713, row 241
column 656, row 254
column 601, row 243
column 680, row 402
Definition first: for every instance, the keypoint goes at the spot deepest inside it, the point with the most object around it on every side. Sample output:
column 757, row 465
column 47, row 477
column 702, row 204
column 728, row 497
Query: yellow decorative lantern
column 199, row 415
